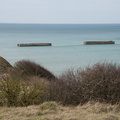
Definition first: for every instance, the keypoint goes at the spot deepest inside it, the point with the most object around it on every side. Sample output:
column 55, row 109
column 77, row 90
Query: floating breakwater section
column 33, row 44
column 98, row 42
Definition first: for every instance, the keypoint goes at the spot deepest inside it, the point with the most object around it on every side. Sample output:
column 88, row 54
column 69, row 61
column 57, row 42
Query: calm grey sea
column 67, row 48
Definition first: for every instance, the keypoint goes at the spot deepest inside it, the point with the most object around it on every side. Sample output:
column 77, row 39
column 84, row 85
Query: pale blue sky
column 60, row 11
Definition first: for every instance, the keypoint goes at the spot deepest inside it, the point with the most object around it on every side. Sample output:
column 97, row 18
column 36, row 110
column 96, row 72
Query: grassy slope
column 54, row 111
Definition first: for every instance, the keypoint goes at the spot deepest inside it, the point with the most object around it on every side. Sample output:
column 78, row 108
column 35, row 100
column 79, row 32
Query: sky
column 60, row 11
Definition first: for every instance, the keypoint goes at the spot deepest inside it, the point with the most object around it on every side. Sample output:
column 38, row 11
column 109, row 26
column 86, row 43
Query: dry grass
column 55, row 111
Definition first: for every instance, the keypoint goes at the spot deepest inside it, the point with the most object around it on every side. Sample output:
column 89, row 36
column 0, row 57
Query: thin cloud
column 60, row 11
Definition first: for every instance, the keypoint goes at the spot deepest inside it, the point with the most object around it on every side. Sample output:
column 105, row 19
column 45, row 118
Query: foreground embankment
column 55, row 111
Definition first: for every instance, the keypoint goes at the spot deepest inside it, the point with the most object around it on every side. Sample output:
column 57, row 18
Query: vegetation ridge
column 27, row 84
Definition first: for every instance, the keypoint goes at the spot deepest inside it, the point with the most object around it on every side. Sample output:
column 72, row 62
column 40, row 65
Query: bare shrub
column 100, row 83
column 31, row 68
column 66, row 89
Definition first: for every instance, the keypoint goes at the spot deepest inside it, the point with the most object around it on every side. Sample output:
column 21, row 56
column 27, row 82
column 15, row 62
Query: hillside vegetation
column 28, row 83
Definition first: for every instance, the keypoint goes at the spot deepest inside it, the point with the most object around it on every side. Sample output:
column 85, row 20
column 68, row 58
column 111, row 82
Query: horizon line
column 55, row 23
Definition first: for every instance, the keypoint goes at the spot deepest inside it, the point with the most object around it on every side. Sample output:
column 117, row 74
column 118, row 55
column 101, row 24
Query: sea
column 67, row 51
